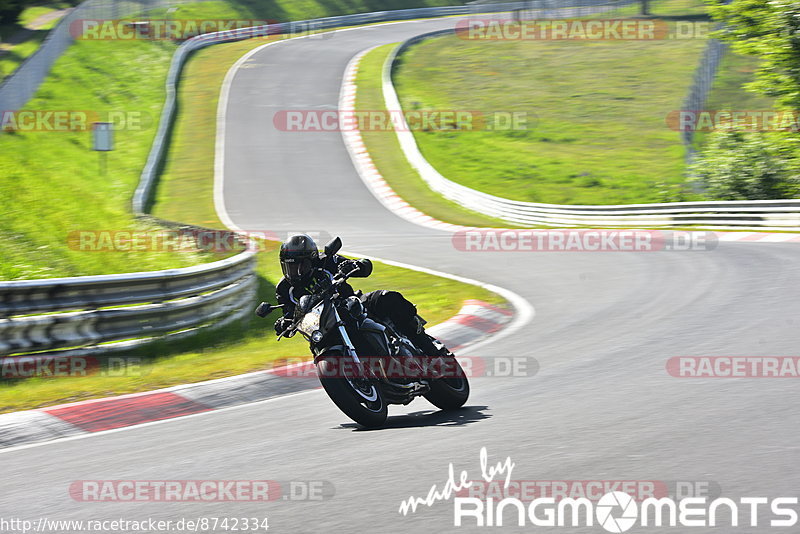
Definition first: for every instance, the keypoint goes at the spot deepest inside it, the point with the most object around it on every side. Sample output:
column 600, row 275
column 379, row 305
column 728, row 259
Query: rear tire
column 359, row 398
column 449, row 393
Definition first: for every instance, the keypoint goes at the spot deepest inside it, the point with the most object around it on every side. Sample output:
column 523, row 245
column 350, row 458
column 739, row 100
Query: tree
column 739, row 165
column 10, row 10
column 769, row 29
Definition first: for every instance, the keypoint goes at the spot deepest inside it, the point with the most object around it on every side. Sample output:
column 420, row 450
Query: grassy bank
column 595, row 112
column 52, row 180
column 235, row 349
column 189, row 171
column 589, row 139
column 185, row 195
column 384, row 149
column 597, row 141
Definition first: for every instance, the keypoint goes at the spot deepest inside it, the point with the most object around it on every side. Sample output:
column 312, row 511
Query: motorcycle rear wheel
column 449, row 393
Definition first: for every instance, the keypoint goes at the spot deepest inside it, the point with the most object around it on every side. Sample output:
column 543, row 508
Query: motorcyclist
column 304, row 270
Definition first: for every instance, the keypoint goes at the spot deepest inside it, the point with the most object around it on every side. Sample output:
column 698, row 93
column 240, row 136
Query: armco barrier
column 106, row 312
column 21, row 85
column 762, row 214
column 93, row 310
column 89, row 310
column 148, row 177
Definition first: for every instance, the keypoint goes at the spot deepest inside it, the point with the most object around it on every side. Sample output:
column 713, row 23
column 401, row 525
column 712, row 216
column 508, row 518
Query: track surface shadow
column 425, row 418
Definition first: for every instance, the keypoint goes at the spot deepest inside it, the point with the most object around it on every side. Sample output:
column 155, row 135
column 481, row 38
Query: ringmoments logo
column 614, row 511
column 605, row 511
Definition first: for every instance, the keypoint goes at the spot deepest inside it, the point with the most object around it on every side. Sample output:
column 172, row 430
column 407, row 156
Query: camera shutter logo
column 608, row 503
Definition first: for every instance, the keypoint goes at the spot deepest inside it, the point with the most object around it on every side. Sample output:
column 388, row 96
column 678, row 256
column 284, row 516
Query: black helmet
column 299, row 257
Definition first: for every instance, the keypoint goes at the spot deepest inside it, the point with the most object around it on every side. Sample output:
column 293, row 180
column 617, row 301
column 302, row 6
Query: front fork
column 346, row 337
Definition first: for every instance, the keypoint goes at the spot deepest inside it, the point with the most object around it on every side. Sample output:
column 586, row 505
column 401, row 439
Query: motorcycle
column 363, row 363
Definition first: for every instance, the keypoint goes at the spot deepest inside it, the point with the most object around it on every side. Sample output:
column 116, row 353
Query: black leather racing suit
column 381, row 304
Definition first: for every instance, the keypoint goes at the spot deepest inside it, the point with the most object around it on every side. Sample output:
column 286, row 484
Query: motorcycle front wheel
column 358, row 397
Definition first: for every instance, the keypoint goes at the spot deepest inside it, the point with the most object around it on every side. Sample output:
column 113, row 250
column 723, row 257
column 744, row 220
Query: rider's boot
column 425, row 343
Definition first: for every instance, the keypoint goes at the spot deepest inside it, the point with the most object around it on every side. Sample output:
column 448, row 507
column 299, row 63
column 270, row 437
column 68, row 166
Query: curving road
column 601, row 407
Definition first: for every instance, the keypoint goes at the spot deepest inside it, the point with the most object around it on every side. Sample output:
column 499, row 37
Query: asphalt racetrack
column 602, row 405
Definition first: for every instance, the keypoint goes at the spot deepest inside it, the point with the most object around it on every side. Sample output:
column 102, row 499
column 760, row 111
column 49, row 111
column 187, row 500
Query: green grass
column 232, row 350
column 596, row 132
column 385, row 152
column 30, row 14
column 235, row 349
column 51, row 183
column 12, row 56
column 728, row 91
column 287, row 10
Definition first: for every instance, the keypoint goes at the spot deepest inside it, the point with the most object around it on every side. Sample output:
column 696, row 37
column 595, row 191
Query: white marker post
column 103, row 142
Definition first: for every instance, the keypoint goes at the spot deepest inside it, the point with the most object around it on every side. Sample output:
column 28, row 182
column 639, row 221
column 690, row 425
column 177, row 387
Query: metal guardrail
column 20, row 86
column 92, row 292
column 109, row 311
column 118, row 307
column 149, row 174
column 760, row 214
column 114, row 309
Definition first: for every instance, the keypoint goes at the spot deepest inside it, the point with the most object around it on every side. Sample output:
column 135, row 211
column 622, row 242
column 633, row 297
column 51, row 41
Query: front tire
column 449, row 393
column 359, row 398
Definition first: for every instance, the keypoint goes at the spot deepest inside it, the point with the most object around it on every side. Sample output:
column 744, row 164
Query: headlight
column 316, row 336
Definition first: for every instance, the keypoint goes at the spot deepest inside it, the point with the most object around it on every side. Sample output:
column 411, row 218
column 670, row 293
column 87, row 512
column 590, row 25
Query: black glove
column 349, row 267
column 282, row 324
column 359, row 268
